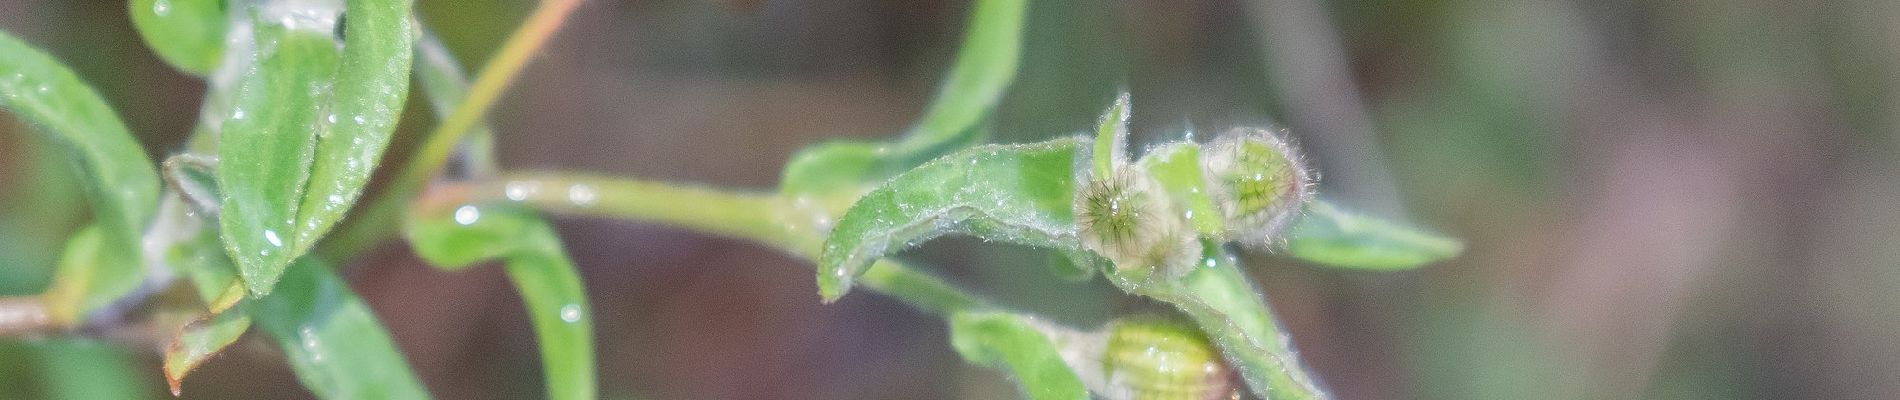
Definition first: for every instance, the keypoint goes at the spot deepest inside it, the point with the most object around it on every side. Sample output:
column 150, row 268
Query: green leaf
column 454, row 238
column 458, row 236
column 267, row 145
column 551, row 288
column 188, row 34
column 198, row 341
column 192, row 249
column 1012, row 193
column 1218, row 298
column 490, row 232
column 332, row 340
column 1014, row 344
column 986, row 64
column 1111, row 136
column 370, row 91
column 81, row 270
column 1330, row 236
column 121, row 186
column 307, row 127
column 195, row 179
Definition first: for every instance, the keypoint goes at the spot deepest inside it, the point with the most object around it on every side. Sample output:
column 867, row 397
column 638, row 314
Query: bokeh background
column 1662, row 199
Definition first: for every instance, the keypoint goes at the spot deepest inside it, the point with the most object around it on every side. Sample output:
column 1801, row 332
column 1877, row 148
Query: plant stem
column 371, row 222
column 21, row 315
column 495, row 77
column 794, row 225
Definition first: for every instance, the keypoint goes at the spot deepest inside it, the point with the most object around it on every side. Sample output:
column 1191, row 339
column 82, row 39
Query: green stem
column 794, row 225
column 371, row 224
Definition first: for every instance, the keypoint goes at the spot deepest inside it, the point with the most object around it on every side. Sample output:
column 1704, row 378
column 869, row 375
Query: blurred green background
column 1673, row 199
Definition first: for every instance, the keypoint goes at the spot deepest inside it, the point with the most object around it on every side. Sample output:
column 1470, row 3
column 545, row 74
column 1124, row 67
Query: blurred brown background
column 1662, row 199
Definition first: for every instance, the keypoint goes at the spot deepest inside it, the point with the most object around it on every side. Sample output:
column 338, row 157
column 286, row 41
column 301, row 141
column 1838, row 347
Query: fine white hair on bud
column 1257, row 181
column 1127, row 218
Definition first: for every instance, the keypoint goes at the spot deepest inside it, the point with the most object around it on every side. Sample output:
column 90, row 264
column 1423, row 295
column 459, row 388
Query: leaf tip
column 176, row 366
column 258, row 283
column 831, row 287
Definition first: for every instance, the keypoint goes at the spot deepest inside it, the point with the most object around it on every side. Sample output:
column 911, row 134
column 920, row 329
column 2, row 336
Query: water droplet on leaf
column 467, row 215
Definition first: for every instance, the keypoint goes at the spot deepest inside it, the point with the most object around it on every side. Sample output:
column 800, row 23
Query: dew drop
column 44, row 88
column 581, row 195
column 467, row 215
column 332, row 118
column 571, row 313
column 271, row 236
column 162, row 7
column 518, row 191
column 311, row 344
column 359, row 120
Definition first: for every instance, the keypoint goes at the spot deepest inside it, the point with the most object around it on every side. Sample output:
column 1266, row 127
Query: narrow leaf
column 1111, row 136
column 76, row 281
column 198, row 341
column 1330, row 236
column 455, row 237
column 1012, row 193
column 188, row 34
column 121, row 185
column 195, row 179
column 557, row 303
column 268, row 142
column 370, row 90
column 1014, row 344
column 191, row 248
column 986, row 64
column 332, row 340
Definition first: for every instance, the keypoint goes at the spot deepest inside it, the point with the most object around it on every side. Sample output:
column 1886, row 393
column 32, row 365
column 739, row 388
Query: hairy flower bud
column 1127, row 218
column 1149, row 358
column 1258, row 181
